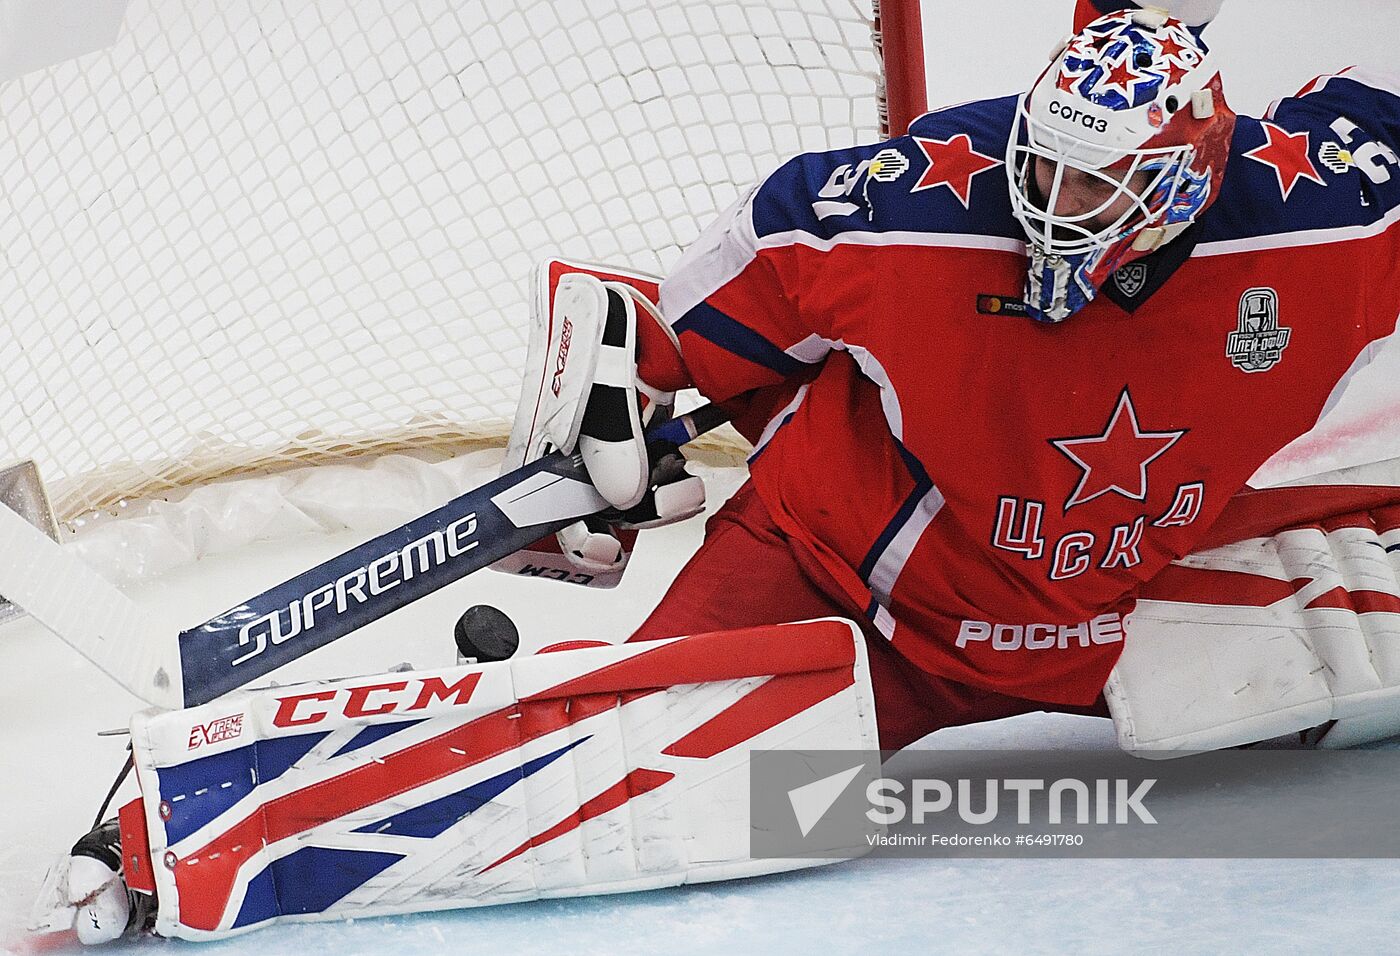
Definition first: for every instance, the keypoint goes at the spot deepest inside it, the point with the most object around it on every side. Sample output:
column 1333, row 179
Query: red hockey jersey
column 995, row 491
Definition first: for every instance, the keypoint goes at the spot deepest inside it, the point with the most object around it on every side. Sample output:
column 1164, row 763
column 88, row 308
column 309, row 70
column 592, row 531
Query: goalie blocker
column 585, row 771
column 583, row 394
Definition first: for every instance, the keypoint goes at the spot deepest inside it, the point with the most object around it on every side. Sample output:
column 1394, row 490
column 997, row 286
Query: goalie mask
column 1117, row 148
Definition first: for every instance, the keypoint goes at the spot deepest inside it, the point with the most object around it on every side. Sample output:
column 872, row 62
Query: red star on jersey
column 952, row 163
column 1287, row 153
column 1116, row 460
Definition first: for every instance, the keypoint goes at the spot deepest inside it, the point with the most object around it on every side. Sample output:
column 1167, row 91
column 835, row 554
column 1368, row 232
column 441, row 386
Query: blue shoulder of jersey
column 948, row 175
column 1328, row 158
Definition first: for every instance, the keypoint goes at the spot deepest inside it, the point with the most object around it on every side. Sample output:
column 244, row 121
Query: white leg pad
column 1267, row 637
column 596, row 770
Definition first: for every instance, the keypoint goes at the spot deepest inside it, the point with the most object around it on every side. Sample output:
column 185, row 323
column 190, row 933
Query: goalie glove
column 584, row 394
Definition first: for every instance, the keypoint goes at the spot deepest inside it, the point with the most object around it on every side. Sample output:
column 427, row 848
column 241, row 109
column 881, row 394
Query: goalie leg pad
column 585, row 771
column 1267, row 637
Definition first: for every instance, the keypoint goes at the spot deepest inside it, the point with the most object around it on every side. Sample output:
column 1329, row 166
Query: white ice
column 52, row 703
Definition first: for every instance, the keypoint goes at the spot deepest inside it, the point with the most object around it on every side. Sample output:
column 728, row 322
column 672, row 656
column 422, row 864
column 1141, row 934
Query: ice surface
column 55, row 771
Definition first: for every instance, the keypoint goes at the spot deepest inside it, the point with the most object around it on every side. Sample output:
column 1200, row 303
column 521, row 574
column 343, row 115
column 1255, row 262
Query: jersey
column 994, row 491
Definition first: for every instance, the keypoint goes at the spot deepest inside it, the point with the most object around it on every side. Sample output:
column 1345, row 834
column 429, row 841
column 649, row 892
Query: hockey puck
column 485, row 633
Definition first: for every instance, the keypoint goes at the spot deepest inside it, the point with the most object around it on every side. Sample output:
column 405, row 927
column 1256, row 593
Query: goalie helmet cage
column 249, row 235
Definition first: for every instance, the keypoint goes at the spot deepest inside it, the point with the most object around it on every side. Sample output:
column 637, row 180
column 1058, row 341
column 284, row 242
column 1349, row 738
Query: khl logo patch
column 1130, row 278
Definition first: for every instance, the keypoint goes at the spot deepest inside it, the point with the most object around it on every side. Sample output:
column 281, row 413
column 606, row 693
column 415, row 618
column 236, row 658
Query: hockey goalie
column 1007, row 380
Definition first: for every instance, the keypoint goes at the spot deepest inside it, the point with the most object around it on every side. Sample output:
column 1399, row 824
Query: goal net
column 257, row 233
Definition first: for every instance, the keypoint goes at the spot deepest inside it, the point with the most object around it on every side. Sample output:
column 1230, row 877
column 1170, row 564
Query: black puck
column 485, row 633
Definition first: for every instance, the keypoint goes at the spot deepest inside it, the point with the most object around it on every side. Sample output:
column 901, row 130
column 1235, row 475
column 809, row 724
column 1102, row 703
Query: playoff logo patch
column 1258, row 341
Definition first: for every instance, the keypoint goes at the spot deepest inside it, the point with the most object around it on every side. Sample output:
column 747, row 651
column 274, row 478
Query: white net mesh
column 254, row 233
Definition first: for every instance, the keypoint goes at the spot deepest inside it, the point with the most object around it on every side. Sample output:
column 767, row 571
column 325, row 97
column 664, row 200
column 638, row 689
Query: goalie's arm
column 743, row 303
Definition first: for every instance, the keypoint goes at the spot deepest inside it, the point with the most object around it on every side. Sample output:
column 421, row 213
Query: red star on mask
column 1122, row 76
column 1287, row 153
column 952, row 163
column 1170, row 48
column 1117, row 459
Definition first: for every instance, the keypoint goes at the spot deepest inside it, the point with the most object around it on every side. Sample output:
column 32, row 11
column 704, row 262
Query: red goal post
column 899, row 43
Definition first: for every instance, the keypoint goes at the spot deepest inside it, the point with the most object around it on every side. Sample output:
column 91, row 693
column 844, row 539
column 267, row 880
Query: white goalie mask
column 1118, row 147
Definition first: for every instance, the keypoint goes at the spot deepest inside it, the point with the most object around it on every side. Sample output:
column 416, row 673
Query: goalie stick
column 313, row 608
